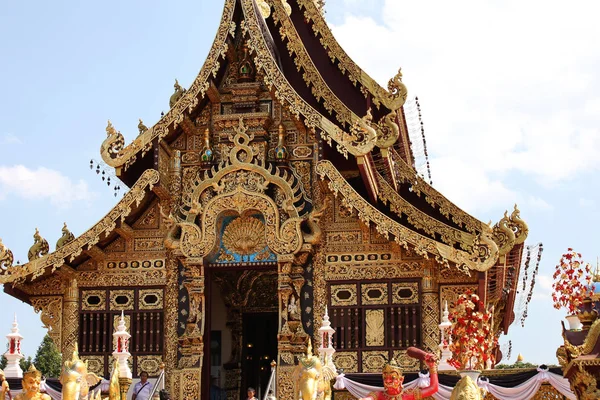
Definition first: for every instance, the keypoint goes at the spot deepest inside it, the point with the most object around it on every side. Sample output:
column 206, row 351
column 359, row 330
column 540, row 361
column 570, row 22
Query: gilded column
column 70, row 320
column 191, row 343
column 171, row 312
column 431, row 311
column 291, row 337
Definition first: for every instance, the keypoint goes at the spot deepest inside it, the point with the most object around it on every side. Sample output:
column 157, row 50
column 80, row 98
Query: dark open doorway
column 259, row 349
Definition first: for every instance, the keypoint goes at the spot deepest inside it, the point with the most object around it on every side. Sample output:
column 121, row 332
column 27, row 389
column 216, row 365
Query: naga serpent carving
column 67, row 236
column 388, row 130
column 40, row 247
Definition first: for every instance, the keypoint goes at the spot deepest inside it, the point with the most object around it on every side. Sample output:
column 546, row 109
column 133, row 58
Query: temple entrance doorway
column 241, row 329
column 259, row 349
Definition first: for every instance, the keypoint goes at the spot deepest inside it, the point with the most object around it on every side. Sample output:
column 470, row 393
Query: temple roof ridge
column 10, row 273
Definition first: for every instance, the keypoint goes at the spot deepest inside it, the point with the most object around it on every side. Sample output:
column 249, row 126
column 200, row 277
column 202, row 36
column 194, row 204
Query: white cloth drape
column 524, row 391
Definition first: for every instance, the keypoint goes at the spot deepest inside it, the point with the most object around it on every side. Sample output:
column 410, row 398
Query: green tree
column 3, row 362
column 48, row 359
column 517, row 365
column 25, row 363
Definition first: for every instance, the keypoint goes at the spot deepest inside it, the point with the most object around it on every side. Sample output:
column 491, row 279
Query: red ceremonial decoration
column 572, row 282
column 473, row 339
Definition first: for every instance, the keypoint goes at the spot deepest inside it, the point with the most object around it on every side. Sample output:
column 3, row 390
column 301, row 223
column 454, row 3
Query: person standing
column 251, row 393
column 142, row 389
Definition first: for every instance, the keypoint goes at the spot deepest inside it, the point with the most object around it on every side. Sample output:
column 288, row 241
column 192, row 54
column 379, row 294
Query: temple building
column 281, row 182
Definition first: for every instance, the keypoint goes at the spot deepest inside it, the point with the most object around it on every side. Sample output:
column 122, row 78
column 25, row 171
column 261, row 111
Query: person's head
column 143, row 376
column 392, row 378
column 251, row 392
column 31, row 380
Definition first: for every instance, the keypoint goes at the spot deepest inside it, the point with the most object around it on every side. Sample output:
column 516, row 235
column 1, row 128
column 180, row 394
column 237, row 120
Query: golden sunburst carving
column 245, row 236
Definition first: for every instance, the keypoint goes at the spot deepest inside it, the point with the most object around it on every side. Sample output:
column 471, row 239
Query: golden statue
column 466, row 389
column 31, row 386
column 114, row 390
column 4, row 389
column 307, row 375
column 75, row 378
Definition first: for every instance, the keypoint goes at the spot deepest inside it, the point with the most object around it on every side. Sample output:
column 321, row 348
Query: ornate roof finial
column 179, row 92
column 6, row 257
column 40, row 247
column 246, row 70
column 141, row 127
column 66, row 237
column 281, row 153
column 207, row 153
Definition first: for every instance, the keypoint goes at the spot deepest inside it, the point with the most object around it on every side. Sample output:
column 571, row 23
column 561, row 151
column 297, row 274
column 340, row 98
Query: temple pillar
column 292, row 339
column 70, row 320
column 191, row 343
column 431, row 311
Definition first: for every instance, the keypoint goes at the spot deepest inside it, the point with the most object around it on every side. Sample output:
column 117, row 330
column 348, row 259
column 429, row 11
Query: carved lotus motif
column 245, row 236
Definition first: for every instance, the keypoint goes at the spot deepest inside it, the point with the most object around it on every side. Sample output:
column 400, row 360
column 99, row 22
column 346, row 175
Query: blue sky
column 509, row 101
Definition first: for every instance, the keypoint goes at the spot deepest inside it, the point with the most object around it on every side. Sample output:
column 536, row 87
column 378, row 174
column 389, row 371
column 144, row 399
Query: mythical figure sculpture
column 141, row 127
column 307, row 375
column 293, row 312
column 75, row 377
column 393, row 378
column 388, row 131
column 314, row 233
column 466, row 389
column 40, row 247
column 397, row 90
column 66, row 237
column 6, row 257
column 4, row 389
column 179, row 92
column 31, row 386
column 113, row 143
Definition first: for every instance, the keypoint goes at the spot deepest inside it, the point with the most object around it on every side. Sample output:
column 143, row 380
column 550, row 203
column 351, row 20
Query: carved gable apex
column 149, row 219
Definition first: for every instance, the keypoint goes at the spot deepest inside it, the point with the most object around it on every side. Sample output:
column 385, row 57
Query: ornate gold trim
column 485, row 250
column 86, row 294
column 51, row 308
column 412, row 286
column 18, row 273
column 144, row 305
column 347, row 287
column 285, row 93
column 392, row 99
column 112, row 150
column 114, row 306
column 365, row 288
column 421, row 220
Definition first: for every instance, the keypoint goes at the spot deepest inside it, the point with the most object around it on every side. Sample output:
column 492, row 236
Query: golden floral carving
column 87, row 306
column 412, row 286
column 244, row 236
column 149, row 364
column 128, row 294
column 369, row 293
column 405, row 362
column 346, row 360
column 95, row 364
column 373, row 361
column 375, row 332
column 338, row 295
column 144, row 304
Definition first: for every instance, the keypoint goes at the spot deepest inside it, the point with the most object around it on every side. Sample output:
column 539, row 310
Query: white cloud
column 41, row 184
column 9, row 138
column 502, row 89
column 583, row 202
column 543, row 288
